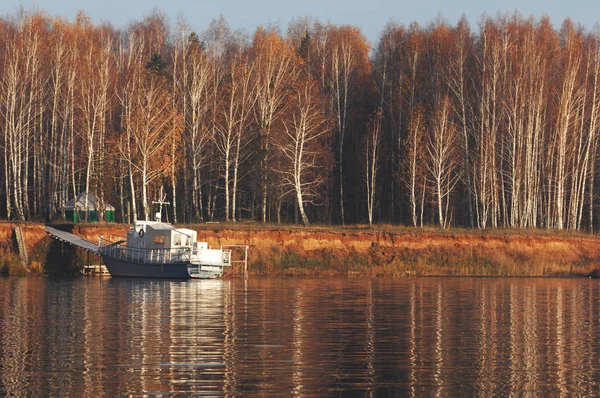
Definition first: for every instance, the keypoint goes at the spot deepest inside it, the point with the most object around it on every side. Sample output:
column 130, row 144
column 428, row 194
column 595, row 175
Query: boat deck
column 72, row 239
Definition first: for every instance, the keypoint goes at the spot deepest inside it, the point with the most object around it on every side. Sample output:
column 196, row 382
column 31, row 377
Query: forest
column 448, row 125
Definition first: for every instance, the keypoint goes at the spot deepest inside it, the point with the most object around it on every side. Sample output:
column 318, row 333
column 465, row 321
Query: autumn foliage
column 440, row 125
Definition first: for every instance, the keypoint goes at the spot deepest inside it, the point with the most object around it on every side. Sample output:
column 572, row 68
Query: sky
column 370, row 15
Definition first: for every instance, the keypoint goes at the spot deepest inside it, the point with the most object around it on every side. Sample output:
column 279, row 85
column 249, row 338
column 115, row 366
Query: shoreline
column 355, row 251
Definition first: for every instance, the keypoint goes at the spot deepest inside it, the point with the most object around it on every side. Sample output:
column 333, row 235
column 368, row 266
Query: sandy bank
column 384, row 251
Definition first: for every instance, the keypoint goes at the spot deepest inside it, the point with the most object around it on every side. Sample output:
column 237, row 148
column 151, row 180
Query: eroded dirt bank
column 372, row 252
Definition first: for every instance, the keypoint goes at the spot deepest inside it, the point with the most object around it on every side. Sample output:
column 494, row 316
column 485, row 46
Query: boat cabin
column 163, row 240
column 158, row 235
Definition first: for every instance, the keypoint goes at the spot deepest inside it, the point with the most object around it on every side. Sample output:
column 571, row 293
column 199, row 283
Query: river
column 299, row 337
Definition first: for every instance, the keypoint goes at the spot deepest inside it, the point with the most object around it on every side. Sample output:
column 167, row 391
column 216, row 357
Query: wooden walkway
column 72, row 239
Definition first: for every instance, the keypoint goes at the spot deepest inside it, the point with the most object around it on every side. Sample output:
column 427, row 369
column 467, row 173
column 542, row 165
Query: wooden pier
column 79, row 242
column 72, row 240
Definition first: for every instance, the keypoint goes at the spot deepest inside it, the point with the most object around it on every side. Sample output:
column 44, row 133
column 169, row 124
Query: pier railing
column 237, row 256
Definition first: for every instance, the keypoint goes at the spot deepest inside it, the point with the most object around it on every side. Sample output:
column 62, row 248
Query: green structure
column 75, row 210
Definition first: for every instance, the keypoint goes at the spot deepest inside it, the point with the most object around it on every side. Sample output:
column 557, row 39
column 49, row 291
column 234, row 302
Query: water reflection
column 280, row 337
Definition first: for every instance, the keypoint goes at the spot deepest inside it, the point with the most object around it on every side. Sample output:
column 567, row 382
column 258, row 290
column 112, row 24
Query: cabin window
column 159, row 240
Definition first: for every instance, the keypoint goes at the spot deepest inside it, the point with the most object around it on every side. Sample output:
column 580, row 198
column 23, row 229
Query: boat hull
column 180, row 270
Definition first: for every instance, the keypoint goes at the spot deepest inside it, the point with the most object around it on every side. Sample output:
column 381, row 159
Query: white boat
column 159, row 250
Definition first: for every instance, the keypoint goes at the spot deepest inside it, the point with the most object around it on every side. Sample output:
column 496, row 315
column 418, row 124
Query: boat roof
column 162, row 226
column 154, row 225
column 185, row 230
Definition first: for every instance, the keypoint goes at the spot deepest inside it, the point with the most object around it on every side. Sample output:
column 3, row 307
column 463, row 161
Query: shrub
column 10, row 264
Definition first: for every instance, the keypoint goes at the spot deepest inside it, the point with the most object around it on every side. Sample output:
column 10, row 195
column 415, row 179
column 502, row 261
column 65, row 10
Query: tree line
column 440, row 124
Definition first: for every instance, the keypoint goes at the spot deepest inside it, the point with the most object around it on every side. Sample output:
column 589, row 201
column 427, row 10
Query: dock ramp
column 72, row 239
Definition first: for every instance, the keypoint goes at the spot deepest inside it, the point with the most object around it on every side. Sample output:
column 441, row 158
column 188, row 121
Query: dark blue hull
column 146, row 270
column 181, row 270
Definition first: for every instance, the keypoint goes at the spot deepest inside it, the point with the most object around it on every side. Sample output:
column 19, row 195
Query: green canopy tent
column 75, row 209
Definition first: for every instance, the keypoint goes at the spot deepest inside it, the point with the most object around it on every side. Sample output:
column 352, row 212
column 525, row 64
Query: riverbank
column 354, row 251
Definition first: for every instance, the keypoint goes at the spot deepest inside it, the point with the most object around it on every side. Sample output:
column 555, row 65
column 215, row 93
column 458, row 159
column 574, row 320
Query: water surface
column 299, row 337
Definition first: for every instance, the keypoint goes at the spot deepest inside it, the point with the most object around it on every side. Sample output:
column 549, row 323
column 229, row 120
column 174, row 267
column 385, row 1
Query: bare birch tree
column 199, row 92
column 301, row 146
column 372, row 159
column 151, row 124
column 276, row 69
column 235, row 115
column 347, row 56
column 413, row 162
column 442, row 160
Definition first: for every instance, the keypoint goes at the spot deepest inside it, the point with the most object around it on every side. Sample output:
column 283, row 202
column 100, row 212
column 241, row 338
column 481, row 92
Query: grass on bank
column 398, row 262
column 389, row 228
column 10, row 264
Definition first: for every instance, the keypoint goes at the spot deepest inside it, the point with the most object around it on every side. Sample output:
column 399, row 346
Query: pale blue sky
column 370, row 15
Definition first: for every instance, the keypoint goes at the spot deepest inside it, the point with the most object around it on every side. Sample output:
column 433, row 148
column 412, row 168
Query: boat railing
column 152, row 256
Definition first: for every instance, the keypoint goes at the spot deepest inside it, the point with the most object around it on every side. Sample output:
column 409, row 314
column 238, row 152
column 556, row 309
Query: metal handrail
column 235, row 263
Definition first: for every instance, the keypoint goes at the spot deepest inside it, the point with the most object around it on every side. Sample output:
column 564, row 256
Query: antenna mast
column 160, row 204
